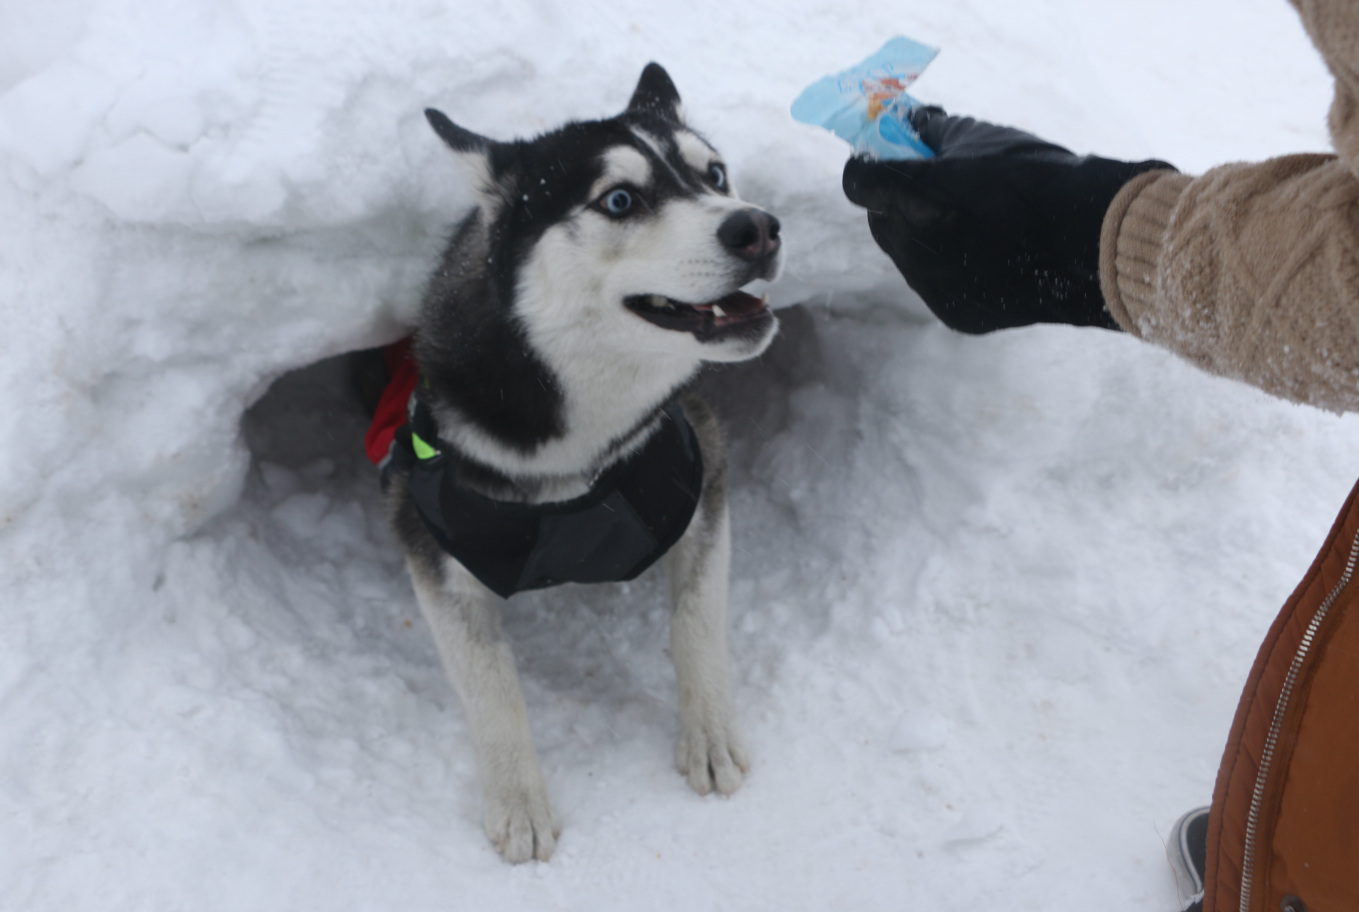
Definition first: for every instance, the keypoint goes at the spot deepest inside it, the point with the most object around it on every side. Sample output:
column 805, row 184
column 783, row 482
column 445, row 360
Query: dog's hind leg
column 710, row 753
column 465, row 618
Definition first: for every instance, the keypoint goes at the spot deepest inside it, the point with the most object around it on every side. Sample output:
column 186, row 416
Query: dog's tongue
column 736, row 304
column 739, row 302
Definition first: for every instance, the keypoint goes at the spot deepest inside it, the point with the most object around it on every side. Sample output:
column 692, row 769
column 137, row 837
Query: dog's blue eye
column 718, row 175
column 617, row 202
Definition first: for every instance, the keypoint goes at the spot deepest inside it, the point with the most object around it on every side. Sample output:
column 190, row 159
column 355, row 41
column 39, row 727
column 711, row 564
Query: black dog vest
column 630, row 516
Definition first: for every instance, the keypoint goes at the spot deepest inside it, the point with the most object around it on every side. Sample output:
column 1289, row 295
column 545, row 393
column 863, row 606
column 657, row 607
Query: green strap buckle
column 422, row 449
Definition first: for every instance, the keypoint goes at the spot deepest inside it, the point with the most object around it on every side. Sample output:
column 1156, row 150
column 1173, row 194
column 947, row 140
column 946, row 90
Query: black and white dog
column 552, row 436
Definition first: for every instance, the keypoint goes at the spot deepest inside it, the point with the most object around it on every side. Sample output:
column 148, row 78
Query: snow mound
column 992, row 601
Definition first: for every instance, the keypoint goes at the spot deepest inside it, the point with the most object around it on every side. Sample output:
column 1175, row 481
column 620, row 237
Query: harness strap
column 393, row 405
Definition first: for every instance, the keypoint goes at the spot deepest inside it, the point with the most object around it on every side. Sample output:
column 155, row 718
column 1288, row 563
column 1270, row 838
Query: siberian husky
column 556, row 348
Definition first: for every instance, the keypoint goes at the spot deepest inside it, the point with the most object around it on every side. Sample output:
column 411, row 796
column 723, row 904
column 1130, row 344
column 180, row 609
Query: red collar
column 391, row 408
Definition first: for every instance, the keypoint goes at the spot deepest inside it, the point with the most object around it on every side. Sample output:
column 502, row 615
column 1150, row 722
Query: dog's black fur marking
column 473, row 353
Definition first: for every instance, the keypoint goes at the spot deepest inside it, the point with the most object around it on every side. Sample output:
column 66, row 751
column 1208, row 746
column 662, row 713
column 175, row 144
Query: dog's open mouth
column 735, row 311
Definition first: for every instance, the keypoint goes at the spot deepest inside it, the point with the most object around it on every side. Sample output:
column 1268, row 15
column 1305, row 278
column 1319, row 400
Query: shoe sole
column 1188, row 830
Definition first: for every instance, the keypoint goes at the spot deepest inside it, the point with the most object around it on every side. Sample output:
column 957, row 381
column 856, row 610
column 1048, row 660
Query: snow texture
column 993, row 599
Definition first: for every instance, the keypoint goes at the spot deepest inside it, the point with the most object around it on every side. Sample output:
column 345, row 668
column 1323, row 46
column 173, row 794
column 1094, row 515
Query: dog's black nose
column 751, row 234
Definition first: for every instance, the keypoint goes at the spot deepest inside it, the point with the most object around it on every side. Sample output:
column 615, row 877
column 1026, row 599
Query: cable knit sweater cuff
column 1130, row 243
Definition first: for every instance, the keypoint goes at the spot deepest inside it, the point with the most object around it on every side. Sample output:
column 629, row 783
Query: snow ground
column 993, row 599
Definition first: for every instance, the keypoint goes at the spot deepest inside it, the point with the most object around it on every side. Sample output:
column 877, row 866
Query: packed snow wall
column 981, row 586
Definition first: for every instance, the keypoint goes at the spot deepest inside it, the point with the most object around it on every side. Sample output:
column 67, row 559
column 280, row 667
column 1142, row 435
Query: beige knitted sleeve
column 1252, row 271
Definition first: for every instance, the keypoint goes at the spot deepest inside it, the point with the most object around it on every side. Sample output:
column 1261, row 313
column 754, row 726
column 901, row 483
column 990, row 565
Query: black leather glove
column 1000, row 229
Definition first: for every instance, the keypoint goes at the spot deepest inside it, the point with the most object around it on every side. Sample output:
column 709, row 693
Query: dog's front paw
column 522, row 825
column 712, row 756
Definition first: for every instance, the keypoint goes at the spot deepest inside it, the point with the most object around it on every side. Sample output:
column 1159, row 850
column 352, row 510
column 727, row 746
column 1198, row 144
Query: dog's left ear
column 458, row 138
column 473, row 153
column 656, row 94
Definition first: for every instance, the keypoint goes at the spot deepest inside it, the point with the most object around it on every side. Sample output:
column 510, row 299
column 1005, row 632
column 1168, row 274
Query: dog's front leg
column 465, row 618
column 710, row 753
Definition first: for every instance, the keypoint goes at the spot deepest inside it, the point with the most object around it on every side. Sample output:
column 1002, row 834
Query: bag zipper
column 1276, row 725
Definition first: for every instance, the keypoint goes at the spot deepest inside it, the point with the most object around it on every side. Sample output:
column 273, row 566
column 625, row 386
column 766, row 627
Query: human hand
column 999, row 229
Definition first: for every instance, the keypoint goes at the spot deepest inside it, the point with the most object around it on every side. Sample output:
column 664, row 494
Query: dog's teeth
column 718, row 311
column 764, row 299
column 659, row 302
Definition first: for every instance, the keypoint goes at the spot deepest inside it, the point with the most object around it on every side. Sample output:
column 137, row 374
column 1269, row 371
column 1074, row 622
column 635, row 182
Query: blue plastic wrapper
column 867, row 104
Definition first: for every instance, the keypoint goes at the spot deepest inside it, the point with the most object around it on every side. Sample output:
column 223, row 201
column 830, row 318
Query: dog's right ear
column 473, row 153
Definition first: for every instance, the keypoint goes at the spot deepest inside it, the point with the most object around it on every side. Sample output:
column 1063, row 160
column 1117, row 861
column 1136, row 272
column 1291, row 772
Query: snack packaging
column 867, row 104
